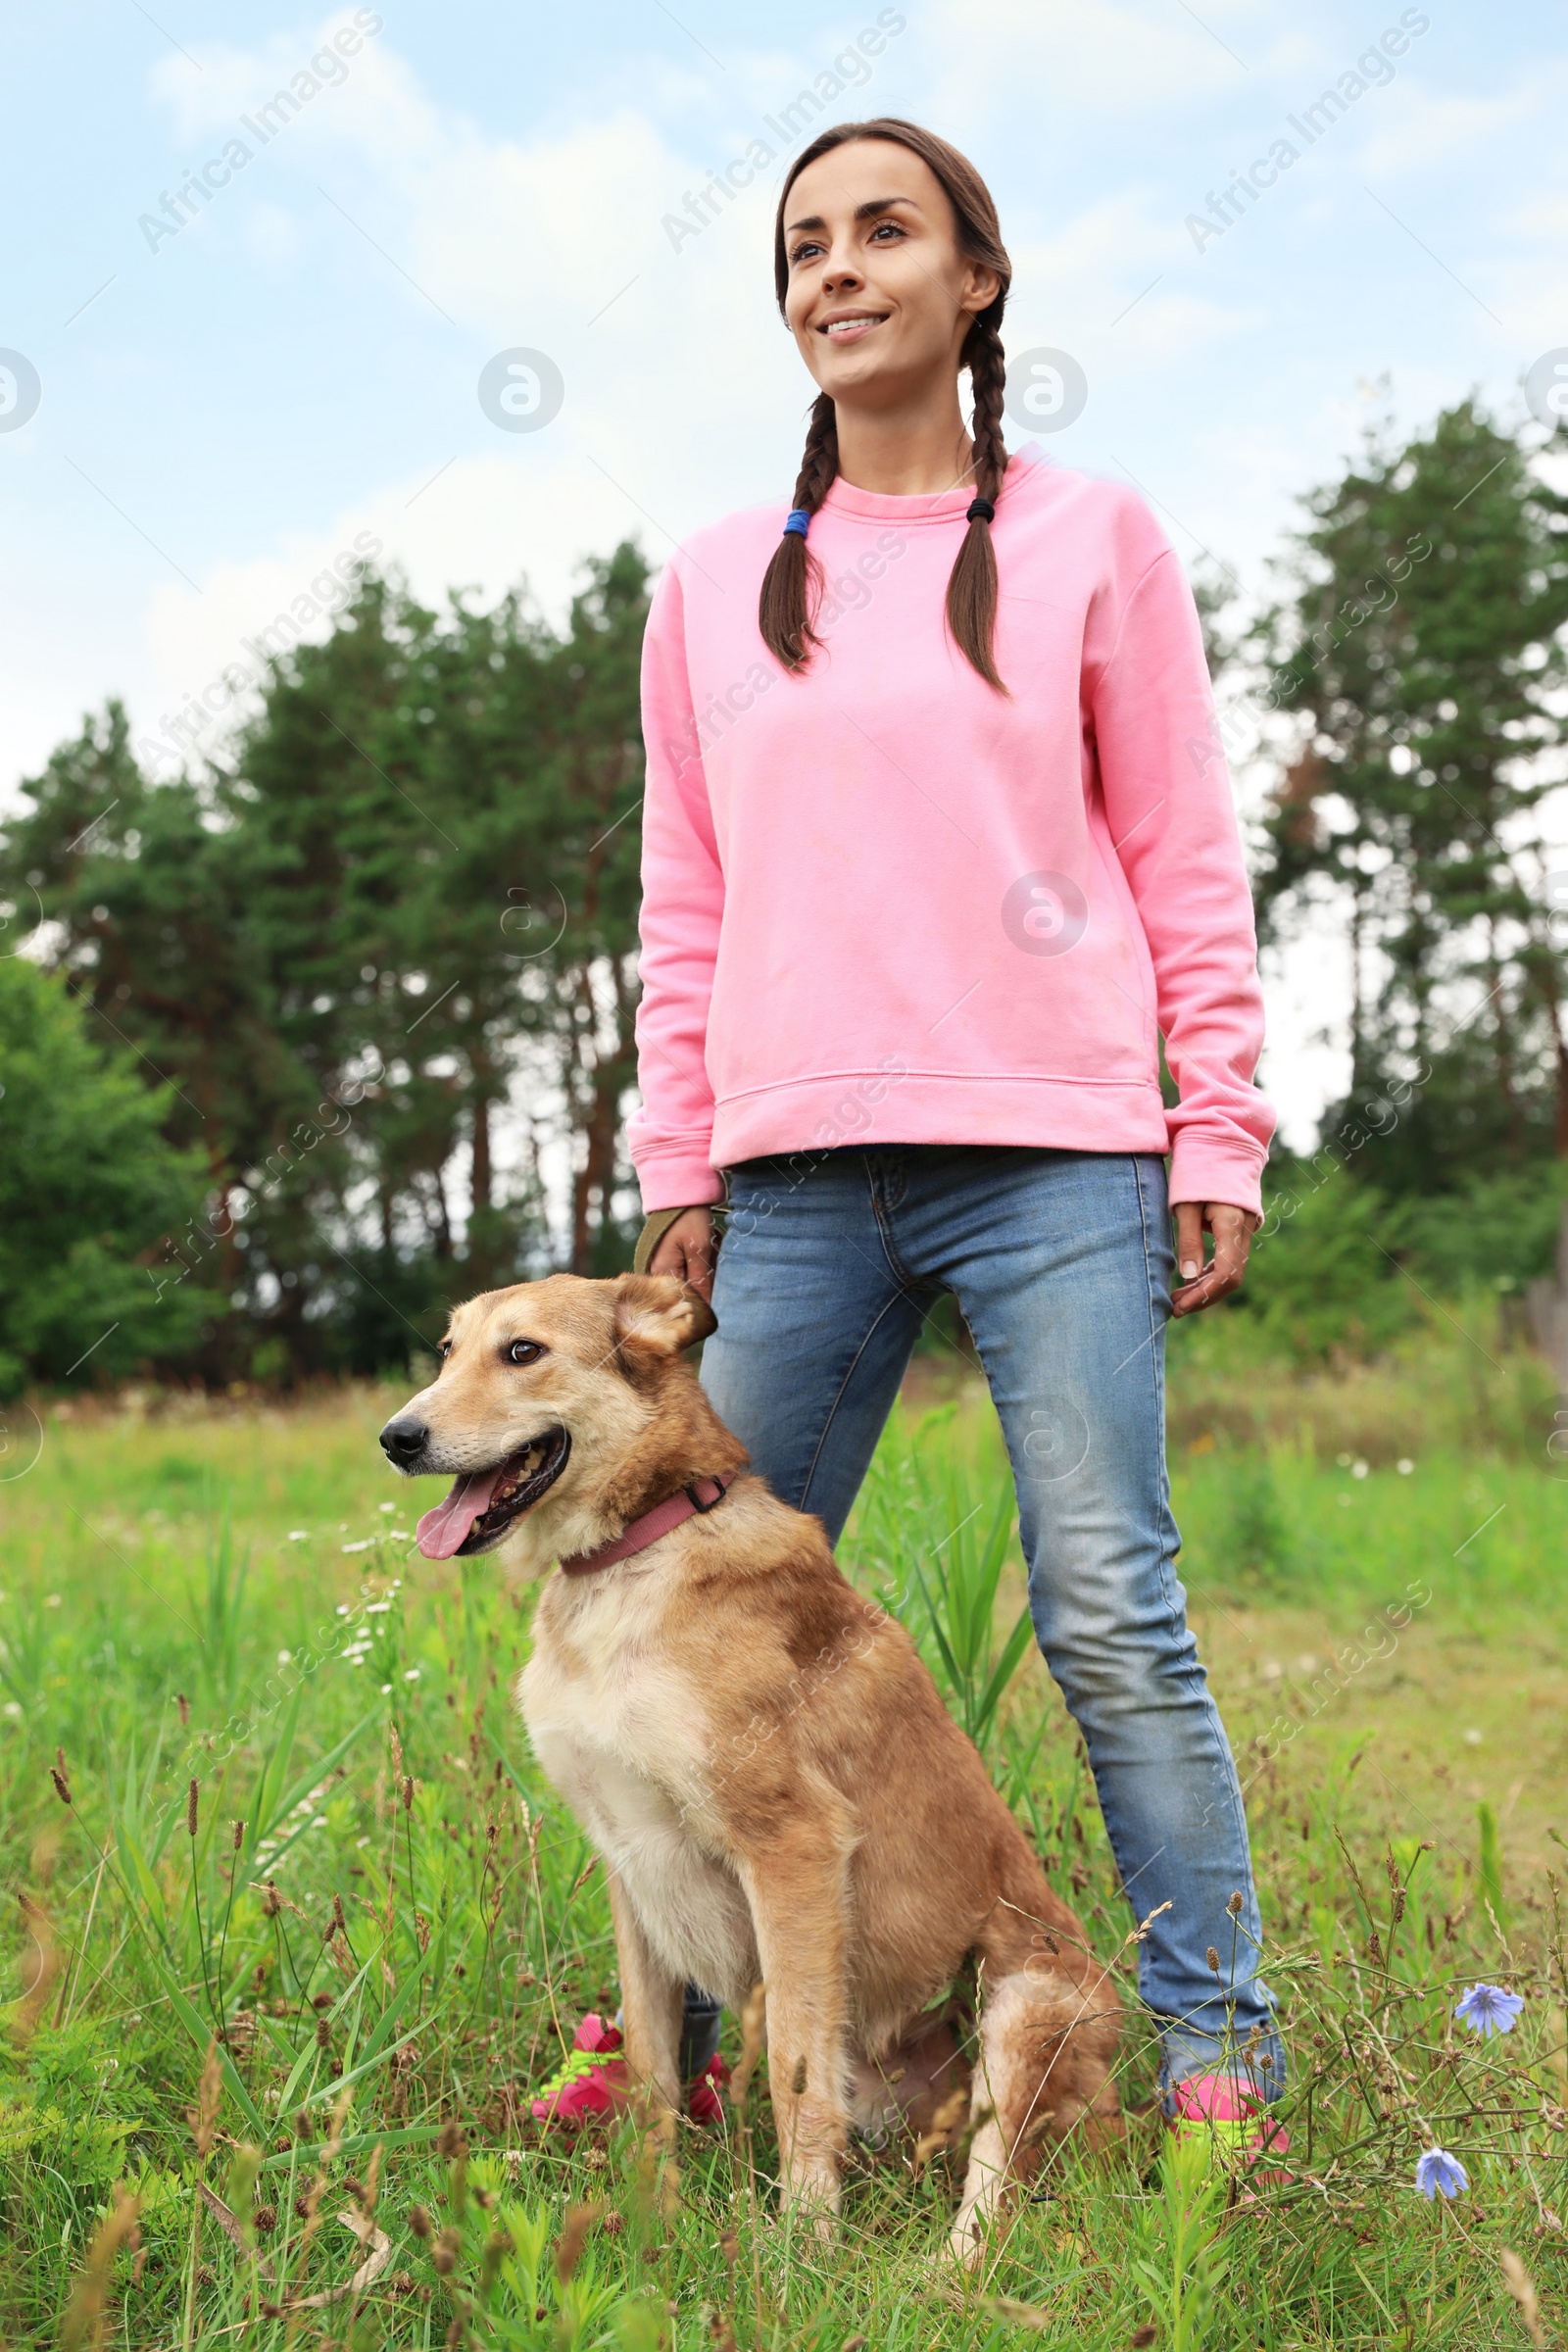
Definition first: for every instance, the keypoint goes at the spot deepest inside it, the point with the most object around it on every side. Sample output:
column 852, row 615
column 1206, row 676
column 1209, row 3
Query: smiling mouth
column 849, row 330
column 484, row 1503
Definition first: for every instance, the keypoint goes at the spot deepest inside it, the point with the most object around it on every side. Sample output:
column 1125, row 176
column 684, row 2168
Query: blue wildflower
column 1438, row 2174
column 1489, row 2009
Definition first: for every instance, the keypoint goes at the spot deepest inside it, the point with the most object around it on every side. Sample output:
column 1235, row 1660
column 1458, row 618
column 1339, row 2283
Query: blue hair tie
column 798, row 520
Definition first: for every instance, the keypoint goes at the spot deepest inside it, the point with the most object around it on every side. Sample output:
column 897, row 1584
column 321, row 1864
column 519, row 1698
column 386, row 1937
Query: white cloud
column 1116, row 286
column 223, row 82
column 503, row 234
column 272, row 236
column 1113, row 56
column 1099, row 257
column 1430, row 130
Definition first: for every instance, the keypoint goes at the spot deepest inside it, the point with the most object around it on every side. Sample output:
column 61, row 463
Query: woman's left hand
column 1233, row 1230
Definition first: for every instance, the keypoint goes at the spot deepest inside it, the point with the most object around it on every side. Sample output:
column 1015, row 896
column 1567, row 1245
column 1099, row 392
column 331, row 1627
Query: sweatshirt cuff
column 1210, row 1167
column 679, row 1177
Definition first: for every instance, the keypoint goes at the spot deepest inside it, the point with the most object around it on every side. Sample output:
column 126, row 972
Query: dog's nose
column 403, row 1440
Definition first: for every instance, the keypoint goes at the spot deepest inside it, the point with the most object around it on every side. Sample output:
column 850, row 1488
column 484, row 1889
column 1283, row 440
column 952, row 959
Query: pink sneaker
column 704, row 2103
column 1240, row 2124
column 589, row 2080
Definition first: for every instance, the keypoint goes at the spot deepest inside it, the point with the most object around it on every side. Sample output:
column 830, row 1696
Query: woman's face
column 879, row 297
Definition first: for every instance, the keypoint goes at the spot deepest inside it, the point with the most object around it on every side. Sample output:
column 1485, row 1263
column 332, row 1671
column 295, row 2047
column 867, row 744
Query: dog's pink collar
column 663, row 1516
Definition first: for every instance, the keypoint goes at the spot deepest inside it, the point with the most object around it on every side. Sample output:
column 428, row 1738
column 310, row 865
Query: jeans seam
column 889, row 1249
column 838, row 1395
column 1223, row 1757
column 1166, row 1556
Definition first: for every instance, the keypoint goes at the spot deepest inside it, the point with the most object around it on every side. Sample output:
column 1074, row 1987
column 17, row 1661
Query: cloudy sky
column 233, row 392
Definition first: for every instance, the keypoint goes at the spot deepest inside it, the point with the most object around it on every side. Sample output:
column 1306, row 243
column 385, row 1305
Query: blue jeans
column 1061, row 1264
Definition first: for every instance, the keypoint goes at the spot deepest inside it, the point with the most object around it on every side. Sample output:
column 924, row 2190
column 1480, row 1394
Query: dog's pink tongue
column 446, row 1529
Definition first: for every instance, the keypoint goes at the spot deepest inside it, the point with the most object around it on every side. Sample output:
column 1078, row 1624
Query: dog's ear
column 658, row 1314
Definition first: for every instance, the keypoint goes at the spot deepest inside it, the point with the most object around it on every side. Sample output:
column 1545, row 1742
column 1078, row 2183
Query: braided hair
column 791, row 583
column 793, row 580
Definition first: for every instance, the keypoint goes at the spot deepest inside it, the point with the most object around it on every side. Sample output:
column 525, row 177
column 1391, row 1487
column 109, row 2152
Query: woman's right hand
column 687, row 1251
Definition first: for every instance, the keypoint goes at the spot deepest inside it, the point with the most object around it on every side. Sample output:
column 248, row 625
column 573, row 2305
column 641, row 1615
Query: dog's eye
column 524, row 1351
column 444, row 1349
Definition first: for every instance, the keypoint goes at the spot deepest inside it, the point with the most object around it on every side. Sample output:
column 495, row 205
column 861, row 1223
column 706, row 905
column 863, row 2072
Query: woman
column 938, row 847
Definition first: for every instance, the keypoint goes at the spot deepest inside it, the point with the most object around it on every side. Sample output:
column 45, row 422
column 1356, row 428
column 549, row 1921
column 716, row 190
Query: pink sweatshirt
column 884, row 904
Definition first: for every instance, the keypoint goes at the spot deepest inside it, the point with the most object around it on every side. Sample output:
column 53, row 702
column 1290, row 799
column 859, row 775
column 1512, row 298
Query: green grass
column 218, row 1594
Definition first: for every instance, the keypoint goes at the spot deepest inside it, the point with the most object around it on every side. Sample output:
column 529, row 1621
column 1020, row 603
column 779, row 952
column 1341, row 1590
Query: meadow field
column 295, row 1928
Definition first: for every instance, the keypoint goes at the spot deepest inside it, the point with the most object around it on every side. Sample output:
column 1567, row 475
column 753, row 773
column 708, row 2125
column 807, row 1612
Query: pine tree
column 90, row 1193
column 1423, row 645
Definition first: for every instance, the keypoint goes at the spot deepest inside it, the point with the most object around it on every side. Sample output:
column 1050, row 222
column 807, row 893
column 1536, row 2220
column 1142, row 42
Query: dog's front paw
column 966, row 2240
column 813, row 2193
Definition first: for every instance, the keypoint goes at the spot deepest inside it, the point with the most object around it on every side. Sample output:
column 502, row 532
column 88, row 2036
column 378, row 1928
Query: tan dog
column 758, row 1752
